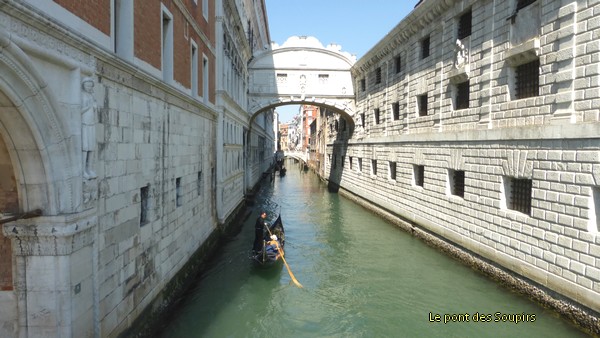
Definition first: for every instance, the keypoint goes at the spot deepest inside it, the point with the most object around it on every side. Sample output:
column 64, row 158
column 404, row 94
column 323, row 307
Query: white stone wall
column 551, row 139
column 88, row 266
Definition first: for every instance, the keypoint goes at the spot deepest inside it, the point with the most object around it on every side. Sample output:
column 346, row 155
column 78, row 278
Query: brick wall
column 147, row 43
column 96, row 13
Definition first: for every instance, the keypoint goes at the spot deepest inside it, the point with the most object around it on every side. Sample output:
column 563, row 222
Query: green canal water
column 362, row 277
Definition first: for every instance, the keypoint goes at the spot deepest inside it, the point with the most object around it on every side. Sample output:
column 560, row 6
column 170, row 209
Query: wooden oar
column 287, row 266
column 284, row 262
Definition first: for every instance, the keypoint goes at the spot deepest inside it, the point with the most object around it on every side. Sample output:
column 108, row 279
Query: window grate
column 378, row 75
column 397, row 64
column 458, row 183
column 363, row 85
column 528, row 80
column 462, row 95
column 145, row 205
column 419, row 173
column 374, row 167
column 396, row 110
column 393, row 170
column 520, row 195
column 362, row 120
column 464, row 25
column 423, row 105
column 524, row 3
column 425, row 47
column 376, row 113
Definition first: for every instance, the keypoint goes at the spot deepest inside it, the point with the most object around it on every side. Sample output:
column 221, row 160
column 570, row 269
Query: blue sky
column 355, row 25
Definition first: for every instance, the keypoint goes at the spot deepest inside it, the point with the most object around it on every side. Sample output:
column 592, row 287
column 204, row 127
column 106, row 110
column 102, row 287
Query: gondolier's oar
column 284, row 262
column 288, row 267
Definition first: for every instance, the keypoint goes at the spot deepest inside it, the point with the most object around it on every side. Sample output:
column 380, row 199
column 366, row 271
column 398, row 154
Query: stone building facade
column 478, row 122
column 112, row 127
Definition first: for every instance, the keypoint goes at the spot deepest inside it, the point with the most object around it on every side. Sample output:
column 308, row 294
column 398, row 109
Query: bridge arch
column 302, row 72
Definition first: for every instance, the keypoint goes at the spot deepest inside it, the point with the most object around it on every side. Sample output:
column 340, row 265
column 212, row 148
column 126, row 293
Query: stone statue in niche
column 88, row 127
column 461, row 55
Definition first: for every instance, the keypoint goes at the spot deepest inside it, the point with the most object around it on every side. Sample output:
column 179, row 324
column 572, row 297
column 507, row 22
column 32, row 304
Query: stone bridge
column 302, row 71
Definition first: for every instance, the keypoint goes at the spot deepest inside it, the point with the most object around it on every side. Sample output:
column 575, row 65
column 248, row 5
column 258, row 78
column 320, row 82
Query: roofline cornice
column 427, row 12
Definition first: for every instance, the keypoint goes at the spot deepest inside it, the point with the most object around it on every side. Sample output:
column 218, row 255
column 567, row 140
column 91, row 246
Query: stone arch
column 40, row 152
column 346, row 112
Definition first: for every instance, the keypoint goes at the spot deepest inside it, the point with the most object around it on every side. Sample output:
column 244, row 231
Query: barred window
column 464, row 25
column 422, row 104
column 392, row 166
column 419, row 175
column 518, row 194
column 363, row 85
column 376, row 114
column 397, row 64
column 350, row 162
column 362, row 120
column 457, row 182
column 425, row 47
column 396, row 110
column 145, row 205
column 378, row 75
column 462, row 95
column 178, row 192
column 199, row 184
column 527, row 80
column 524, row 3
column 374, row 167
column 359, row 164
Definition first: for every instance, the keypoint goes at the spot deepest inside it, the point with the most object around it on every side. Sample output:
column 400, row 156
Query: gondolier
column 259, row 231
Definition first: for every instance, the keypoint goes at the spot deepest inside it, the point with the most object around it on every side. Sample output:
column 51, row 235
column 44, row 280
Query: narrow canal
column 362, row 277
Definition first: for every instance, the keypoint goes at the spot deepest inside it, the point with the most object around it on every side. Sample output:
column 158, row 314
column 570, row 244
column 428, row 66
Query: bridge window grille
column 422, row 104
column 425, row 47
column 464, row 25
column 376, row 114
column 363, row 85
column 323, row 78
column 392, row 170
column 462, row 95
column 374, row 167
column 457, row 182
column 144, row 205
column 397, row 64
column 396, row 111
column 527, row 80
column 419, row 175
column 518, row 194
column 281, row 78
column 378, row 75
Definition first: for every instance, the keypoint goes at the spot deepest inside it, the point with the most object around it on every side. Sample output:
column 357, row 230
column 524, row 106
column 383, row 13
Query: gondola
column 272, row 245
column 282, row 171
